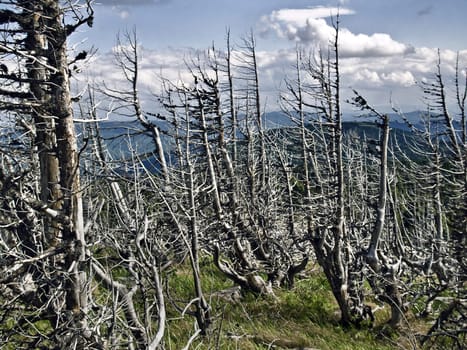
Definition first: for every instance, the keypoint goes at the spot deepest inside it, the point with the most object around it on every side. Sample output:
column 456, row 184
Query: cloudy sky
column 386, row 46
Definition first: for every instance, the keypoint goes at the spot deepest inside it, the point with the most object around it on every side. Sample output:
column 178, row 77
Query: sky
column 387, row 46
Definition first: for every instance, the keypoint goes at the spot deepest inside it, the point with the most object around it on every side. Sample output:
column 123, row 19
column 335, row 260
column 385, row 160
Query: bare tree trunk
column 372, row 253
column 128, row 60
column 327, row 232
column 41, row 54
column 68, row 165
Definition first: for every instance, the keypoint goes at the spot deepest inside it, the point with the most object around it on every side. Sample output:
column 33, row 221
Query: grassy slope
column 302, row 318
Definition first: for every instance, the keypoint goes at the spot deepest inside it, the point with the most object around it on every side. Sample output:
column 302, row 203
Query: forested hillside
column 203, row 224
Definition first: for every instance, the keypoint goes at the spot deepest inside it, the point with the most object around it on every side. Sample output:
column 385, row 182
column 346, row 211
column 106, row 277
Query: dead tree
column 128, row 247
column 127, row 58
column 184, row 204
column 384, row 264
column 36, row 90
column 312, row 100
column 437, row 201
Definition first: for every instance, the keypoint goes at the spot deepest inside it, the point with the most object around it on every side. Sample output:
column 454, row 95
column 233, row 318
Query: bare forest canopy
column 98, row 220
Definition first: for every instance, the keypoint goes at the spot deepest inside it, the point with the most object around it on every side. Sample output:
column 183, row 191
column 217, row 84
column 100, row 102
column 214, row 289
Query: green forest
column 201, row 221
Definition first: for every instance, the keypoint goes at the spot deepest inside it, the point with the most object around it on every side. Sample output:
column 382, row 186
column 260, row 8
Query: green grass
column 303, row 317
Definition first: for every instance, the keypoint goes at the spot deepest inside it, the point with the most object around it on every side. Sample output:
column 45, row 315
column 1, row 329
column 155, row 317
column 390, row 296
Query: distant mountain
column 400, row 139
column 276, row 120
column 279, row 119
column 124, row 137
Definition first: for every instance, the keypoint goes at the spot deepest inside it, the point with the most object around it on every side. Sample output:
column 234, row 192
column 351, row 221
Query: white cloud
column 309, row 27
column 378, row 78
column 368, row 76
column 154, row 65
column 288, row 22
column 377, row 44
column 123, row 7
column 401, row 78
column 299, row 17
column 124, row 14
